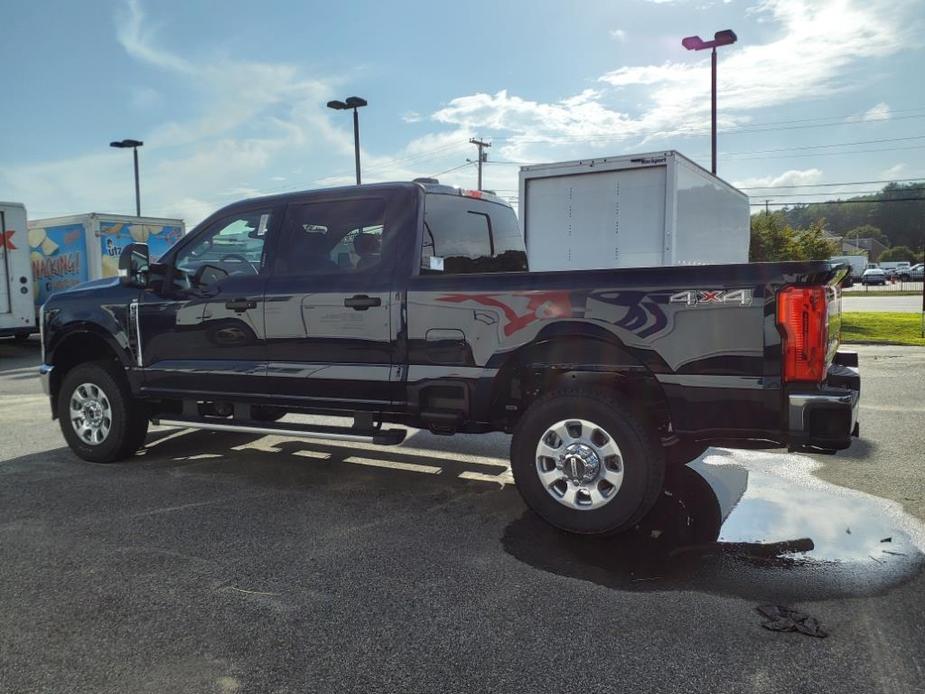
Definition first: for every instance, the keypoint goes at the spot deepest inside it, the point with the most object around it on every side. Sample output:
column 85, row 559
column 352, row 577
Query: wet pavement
column 739, row 523
column 235, row 563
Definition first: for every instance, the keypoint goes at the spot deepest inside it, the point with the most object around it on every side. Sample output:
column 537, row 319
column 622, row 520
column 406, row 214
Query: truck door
column 203, row 333
column 329, row 319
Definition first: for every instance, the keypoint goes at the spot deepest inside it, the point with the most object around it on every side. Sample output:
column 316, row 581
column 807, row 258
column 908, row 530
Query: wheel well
column 73, row 350
column 587, row 361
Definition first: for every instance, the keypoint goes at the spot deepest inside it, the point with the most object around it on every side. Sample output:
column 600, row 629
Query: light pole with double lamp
column 134, row 144
column 353, row 102
column 695, row 43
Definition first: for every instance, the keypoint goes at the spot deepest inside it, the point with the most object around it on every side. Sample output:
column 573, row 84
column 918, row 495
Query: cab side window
column 233, row 245
column 333, row 237
column 468, row 236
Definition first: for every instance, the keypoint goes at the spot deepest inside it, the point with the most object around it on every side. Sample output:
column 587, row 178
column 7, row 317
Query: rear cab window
column 464, row 235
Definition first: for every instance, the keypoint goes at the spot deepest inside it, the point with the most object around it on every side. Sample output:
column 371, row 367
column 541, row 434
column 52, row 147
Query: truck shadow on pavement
column 728, row 523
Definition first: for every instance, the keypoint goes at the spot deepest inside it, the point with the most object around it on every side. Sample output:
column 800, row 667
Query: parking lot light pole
column 695, row 43
column 134, row 144
column 352, row 102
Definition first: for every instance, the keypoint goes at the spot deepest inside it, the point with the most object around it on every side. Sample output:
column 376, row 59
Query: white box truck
column 17, row 311
column 638, row 210
column 857, row 264
column 66, row 251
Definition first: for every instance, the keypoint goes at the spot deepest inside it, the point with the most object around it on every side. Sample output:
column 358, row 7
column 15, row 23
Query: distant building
column 873, row 247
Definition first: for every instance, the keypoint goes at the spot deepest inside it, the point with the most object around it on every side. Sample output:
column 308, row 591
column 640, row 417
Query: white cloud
column 193, row 163
column 618, row 34
column 793, row 177
column 806, row 59
column 896, row 171
column 879, row 112
column 217, row 145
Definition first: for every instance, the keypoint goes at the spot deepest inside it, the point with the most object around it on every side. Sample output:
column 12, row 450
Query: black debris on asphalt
column 787, row 619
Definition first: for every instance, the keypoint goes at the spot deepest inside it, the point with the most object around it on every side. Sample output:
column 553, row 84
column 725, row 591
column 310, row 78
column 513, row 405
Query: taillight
column 801, row 312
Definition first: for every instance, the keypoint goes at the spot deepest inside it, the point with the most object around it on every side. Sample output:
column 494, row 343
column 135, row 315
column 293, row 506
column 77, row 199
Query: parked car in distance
column 412, row 304
column 873, row 276
column 915, row 273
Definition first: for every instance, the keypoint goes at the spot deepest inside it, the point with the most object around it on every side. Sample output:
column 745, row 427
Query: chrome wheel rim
column 91, row 414
column 579, row 464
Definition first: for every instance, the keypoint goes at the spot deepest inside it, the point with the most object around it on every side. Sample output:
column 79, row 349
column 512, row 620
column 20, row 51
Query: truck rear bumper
column 824, row 419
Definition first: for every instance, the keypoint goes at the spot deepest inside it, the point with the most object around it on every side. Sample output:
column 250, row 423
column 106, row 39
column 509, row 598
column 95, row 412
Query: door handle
column 361, row 302
column 240, row 305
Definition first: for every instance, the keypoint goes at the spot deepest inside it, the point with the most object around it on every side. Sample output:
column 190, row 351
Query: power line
column 834, row 144
column 455, row 168
column 825, row 185
column 696, row 129
column 842, row 117
column 830, row 154
column 844, row 192
column 837, row 202
column 418, row 157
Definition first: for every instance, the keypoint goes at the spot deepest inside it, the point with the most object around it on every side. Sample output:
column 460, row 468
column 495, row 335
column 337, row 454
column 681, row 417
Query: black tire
column 129, row 418
column 643, row 461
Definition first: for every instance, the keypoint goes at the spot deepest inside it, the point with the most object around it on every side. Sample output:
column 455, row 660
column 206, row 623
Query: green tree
column 898, row 253
column 772, row 238
column 812, row 243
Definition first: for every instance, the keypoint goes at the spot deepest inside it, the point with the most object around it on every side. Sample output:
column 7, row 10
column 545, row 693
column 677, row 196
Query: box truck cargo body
column 630, row 211
column 17, row 312
column 66, row 251
column 857, row 264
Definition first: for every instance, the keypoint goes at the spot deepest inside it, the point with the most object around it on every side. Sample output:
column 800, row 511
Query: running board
column 381, row 437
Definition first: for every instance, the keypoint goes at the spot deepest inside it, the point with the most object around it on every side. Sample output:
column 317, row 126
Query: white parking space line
column 501, row 478
column 410, row 467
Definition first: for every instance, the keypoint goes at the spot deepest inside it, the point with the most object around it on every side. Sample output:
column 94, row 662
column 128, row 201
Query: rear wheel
column 98, row 417
column 585, row 463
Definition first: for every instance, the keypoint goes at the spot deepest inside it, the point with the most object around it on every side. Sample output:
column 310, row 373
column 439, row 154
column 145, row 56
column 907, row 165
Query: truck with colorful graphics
column 17, row 311
column 412, row 304
column 66, row 251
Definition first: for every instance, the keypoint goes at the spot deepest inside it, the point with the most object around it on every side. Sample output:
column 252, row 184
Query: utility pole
column 483, row 156
column 767, row 209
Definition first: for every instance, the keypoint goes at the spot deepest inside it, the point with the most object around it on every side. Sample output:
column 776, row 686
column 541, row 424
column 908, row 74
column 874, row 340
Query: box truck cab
column 639, row 210
column 17, row 312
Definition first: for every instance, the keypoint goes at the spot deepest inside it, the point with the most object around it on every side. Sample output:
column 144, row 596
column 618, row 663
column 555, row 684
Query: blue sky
column 229, row 97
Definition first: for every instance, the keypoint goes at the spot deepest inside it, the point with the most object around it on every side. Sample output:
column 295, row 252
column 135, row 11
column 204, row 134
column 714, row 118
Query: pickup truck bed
column 412, row 304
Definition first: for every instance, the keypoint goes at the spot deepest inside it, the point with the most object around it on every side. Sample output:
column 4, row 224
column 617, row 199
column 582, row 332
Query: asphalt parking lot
column 232, row 563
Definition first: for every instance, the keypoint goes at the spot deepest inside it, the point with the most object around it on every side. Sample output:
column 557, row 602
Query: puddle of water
column 748, row 523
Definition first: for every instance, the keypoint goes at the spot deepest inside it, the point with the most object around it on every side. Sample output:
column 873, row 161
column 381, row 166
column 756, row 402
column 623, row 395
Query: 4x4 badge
column 736, row 297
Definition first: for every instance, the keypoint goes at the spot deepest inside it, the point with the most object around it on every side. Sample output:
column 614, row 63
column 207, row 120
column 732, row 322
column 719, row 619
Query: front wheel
column 99, row 419
column 585, row 463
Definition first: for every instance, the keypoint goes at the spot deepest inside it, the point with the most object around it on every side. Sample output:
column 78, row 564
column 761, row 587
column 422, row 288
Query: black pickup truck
column 412, row 304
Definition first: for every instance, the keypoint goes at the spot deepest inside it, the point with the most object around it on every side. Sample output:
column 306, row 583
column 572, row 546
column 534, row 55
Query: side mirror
column 133, row 265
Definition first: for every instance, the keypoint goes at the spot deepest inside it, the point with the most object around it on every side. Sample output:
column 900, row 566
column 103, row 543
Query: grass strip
column 882, row 328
